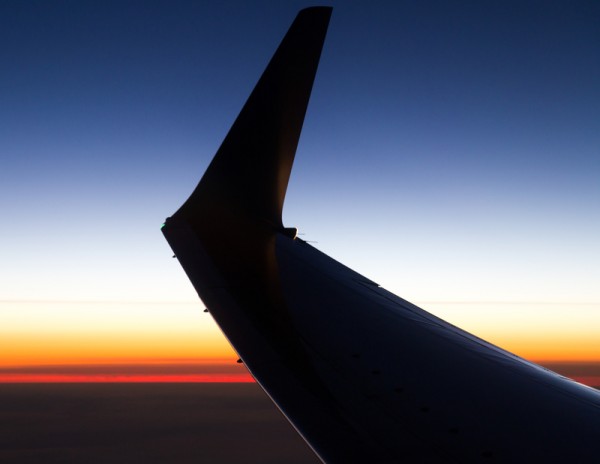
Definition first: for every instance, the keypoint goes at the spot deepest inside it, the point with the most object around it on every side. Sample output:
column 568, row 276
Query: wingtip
column 315, row 11
column 323, row 8
column 250, row 172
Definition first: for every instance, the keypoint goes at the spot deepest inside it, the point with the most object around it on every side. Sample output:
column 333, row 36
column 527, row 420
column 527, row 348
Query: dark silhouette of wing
column 362, row 374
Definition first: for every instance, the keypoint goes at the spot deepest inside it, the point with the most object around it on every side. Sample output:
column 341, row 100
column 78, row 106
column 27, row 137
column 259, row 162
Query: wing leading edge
column 363, row 375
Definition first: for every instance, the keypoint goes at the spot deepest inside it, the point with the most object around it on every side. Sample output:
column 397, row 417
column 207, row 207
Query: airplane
column 363, row 375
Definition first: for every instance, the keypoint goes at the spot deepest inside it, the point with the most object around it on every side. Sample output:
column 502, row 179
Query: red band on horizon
column 138, row 378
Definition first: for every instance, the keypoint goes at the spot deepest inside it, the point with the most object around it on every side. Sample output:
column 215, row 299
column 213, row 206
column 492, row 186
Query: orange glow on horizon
column 23, row 349
column 534, row 331
column 48, row 333
column 557, row 347
column 177, row 342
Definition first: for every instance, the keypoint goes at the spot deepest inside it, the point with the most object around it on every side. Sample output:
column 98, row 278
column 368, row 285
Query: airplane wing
column 363, row 375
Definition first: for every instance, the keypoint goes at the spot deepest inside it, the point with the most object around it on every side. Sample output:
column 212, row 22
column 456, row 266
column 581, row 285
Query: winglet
column 250, row 172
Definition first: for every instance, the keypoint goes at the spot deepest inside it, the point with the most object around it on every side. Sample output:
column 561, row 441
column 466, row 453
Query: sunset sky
column 451, row 153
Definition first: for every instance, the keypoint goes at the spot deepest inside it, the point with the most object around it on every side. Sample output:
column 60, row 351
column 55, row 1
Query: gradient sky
column 451, row 152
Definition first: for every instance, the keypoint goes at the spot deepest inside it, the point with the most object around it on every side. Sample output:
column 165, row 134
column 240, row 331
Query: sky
column 450, row 152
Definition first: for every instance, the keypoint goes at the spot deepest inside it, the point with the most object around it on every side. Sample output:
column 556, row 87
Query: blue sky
column 451, row 150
